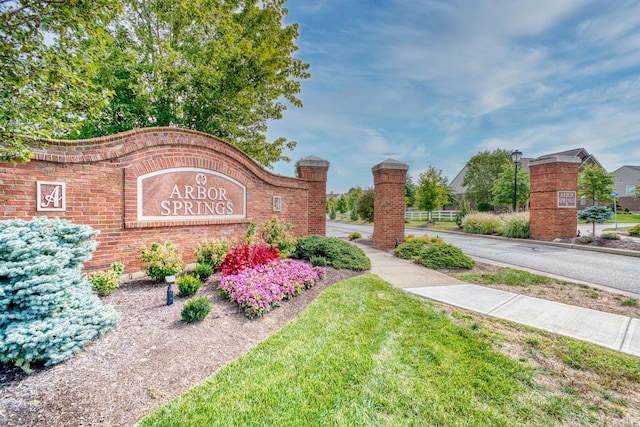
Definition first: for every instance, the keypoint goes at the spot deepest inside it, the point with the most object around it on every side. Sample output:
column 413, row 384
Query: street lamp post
column 516, row 155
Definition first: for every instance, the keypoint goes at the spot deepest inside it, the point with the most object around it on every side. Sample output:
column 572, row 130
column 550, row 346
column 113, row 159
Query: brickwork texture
column 389, row 180
column 549, row 175
column 101, row 190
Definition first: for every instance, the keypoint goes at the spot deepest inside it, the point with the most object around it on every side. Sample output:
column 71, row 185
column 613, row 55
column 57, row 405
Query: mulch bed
column 151, row 357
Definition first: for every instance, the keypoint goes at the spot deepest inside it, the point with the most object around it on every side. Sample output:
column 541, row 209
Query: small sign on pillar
column 566, row 199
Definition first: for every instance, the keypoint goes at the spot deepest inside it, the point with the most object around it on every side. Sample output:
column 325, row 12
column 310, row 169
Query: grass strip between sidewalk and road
column 365, row 353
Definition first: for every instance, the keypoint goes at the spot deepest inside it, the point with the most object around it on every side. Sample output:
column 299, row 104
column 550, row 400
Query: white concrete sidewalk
column 613, row 331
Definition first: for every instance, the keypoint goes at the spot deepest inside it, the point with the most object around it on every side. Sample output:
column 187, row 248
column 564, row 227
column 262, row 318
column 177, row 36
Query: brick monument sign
column 553, row 197
column 389, row 180
column 158, row 185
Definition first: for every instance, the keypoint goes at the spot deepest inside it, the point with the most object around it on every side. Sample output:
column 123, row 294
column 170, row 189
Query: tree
column 47, row 69
column 364, row 205
column 352, row 197
column 432, row 190
column 343, row 204
column 595, row 215
column 595, row 184
column 483, row 170
column 332, row 203
column 410, row 192
column 48, row 311
column 224, row 68
column 503, row 188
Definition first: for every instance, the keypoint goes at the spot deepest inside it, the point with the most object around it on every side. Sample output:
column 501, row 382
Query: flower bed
column 258, row 289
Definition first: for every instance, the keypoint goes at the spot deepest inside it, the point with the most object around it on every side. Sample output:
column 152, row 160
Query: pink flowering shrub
column 259, row 289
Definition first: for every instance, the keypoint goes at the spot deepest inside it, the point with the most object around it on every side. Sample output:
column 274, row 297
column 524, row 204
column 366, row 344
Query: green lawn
column 364, row 353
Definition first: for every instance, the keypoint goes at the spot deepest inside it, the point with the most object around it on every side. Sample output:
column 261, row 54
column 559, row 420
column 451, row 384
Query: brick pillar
column 314, row 170
column 554, row 196
column 389, row 180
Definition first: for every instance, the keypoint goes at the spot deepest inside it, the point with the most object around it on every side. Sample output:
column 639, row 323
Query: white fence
column 413, row 215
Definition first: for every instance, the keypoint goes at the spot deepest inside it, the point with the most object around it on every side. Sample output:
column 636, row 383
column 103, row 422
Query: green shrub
column 355, row 235
column 515, row 225
column 484, row 207
column 195, row 309
column 411, row 248
column 635, row 230
column 278, row 234
column 337, row 252
column 333, row 215
column 105, row 282
column 481, row 223
column 586, row 239
column 48, row 311
column 212, row 252
column 188, row 285
column 162, row 260
column 318, row 261
column 353, row 216
column 610, row 236
column 203, row 271
column 444, row 256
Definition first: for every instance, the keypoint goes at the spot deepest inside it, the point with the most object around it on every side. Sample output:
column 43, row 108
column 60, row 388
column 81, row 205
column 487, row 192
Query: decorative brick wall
column 389, row 180
column 101, row 180
column 554, row 197
column 314, row 170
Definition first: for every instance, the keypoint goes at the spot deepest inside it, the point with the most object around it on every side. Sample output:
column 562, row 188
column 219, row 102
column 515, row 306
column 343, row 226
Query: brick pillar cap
column 313, row 161
column 390, row 164
column 554, row 159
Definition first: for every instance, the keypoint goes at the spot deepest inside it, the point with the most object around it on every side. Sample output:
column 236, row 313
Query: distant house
column 580, row 153
column 626, row 179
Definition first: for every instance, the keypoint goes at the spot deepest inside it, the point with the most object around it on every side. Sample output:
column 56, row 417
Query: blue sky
column 432, row 83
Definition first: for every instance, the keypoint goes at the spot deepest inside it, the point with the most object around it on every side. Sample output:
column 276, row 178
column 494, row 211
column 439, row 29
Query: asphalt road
column 600, row 269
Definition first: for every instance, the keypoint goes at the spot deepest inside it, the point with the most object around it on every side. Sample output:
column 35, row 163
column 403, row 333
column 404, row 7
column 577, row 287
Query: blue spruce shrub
column 48, row 311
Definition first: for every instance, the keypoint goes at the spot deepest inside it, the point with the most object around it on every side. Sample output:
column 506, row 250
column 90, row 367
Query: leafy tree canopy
column 223, row 68
column 503, row 188
column 432, row 190
column 595, row 184
column 46, row 69
column 483, row 170
column 364, row 205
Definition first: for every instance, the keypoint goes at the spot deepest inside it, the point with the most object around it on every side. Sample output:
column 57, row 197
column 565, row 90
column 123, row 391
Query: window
column 630, row 190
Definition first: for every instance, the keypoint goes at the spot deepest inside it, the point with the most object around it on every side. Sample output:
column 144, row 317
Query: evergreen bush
column 412, row 247
column 105, row 282
column 635, row 230
column 337, row 252
column 333, row 215
column 203, row 271
column 48, row 311
column 188, row 285
column 162, row 260
column 444, row 256
column 195, row 309
column 318, row 261
column 353, row 216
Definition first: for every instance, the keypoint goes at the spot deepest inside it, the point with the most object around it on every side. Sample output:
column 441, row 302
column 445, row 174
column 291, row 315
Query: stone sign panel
column 566, row 199
column 50, row 196
column 189, row 194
